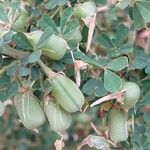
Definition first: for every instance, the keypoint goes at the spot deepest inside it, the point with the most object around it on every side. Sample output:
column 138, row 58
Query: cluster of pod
column 117, row 118
column 66, row 99
column 55, row 47
column 81, row 10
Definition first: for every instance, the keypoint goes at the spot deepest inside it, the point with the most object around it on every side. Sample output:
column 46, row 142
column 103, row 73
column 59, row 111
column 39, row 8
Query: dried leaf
column 118, row 95
column 94, row 141
column 59, row 144
column 90, row 23
column 79, row 65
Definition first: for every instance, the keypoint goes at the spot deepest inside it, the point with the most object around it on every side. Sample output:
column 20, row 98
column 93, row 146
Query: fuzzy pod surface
column 132, row 94
column 29, row 110
column 55, row 47
column 58, row 118
column 85, row 9
column 2, row 108
column 118, row 125
column 67, row 93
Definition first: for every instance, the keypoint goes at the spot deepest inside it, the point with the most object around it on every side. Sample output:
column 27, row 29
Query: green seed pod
column 67, row 93
column 2, row 108
column 29, row 110
column 54, row 48
column 118, row 125
column 84, row 10
column 132, row 94
column 21, row 22
column 58, row 118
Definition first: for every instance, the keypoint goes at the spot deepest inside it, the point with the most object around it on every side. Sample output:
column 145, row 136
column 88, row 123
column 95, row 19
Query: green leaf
column 94, row 86
column 12, row 89
column 53, row 3
column 118, row 64
column 4, row 80
column 46, row 21
column 88, row 87
column 35, row 73
column 3, row 15
column 59, row 66
column 22, row 41
column 47, row 86
column 102, row 2
column 126, row 48
column 146, row 117
column 70, row 28
column 68, row 12
column 44, row 38
column 72, row 33
column 144, row 8
column 100, row 63
column 3, row 96
column 112, row 82
column 7, row 37
column 25, row 60
column 121, row 34
column 12, row 70
column 141, row 60
column 123, row 4
column 1, row 44
column 147, row 69
column 92, row 61
column 146, row 98
column 137, row 18
column 24, row 71
column 105, row 41
column 123, row 49
column 35, row 56
column 99, row 89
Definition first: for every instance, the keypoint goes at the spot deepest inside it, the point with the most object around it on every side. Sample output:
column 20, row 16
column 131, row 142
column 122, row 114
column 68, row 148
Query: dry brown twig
column 78, row 66
column 90, row 23
column 119, row 96
column 59, row 144
column 98, row 133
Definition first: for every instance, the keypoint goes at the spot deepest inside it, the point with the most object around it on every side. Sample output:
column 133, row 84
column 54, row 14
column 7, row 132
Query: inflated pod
column 132, row 94
column 29, row 110
column 58, row 118
column 85, row 9
column 118, row 125
column 55, row 47
column 20, row 22
column 67, row 93
column 2, row 108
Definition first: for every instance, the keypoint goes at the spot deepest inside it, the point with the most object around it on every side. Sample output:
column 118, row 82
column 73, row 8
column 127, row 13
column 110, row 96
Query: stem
column 51, row 74
column 13, row 52
column 5, row 68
